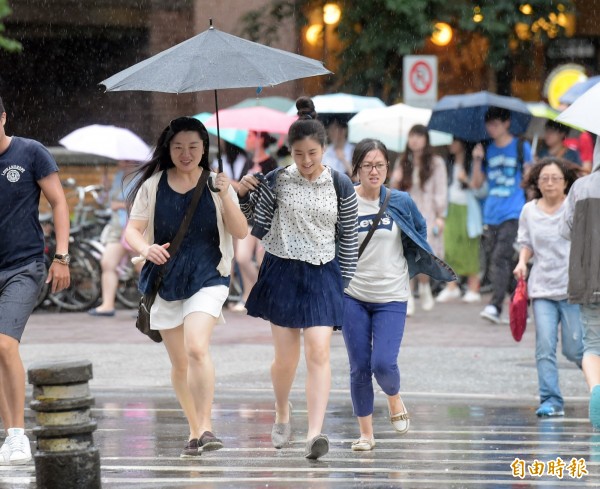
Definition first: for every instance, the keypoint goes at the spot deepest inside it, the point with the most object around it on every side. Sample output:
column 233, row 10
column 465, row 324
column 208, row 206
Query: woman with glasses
column 375, row 300
column 549, row 180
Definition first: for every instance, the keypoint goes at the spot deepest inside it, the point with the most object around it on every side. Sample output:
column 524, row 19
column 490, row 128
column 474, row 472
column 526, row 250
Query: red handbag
column 518, row 310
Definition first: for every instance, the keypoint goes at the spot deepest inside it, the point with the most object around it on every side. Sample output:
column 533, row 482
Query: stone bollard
column 66, row 457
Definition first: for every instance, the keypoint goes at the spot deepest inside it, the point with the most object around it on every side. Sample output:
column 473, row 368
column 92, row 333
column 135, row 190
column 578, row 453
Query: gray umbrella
column 213, row 60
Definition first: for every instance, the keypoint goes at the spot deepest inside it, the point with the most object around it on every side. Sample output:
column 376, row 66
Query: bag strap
column 375, row 223
column 183, row 227
column 520, row 153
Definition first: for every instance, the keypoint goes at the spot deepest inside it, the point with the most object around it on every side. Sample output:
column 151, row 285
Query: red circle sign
column 420, row 77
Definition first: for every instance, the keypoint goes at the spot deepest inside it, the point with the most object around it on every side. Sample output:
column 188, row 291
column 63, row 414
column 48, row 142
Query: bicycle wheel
column 84, row 291
column 127, row 289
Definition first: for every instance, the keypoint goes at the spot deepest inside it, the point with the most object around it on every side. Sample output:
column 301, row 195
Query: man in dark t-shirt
column 26, row 170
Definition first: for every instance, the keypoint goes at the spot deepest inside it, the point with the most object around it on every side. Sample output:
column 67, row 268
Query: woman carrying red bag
column 549, row 180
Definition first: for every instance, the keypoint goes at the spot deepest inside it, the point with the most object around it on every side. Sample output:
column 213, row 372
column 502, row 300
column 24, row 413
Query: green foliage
column 6, row 43
column 500, row 20
column 264, row 25
column 378, row 33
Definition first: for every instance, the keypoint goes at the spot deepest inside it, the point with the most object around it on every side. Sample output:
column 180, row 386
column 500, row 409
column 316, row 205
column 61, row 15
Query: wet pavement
column 471, row 392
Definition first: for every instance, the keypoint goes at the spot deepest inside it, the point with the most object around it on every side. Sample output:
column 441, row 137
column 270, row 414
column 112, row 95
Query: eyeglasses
column 368, row 167
column 550, row 178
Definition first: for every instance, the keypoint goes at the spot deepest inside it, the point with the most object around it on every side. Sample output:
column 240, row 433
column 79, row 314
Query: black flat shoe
column 209, row 442
column 96, row 312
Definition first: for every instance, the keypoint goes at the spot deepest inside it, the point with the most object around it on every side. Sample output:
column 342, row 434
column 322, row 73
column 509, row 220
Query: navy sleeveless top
column 194, row 266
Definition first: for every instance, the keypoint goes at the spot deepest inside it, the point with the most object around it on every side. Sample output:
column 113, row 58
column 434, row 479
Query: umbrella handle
column 212, row 187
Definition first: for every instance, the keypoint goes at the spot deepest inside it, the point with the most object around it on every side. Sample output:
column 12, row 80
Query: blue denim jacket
column 418, row 253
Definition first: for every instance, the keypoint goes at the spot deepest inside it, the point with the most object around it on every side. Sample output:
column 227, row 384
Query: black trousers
column 498, row 244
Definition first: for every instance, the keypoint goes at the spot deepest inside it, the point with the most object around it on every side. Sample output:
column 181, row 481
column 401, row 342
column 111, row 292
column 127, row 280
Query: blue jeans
column 372, row 333
column 548, row 314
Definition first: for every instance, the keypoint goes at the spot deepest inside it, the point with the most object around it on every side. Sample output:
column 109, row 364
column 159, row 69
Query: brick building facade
column 69, row 46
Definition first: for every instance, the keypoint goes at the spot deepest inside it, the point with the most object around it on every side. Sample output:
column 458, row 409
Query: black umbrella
column 213, row 60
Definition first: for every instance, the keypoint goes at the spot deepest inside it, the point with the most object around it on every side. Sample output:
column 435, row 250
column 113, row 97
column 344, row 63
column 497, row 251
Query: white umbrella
column 110, row 141
column 342, row 103
column 583, row 112
column 391, row 126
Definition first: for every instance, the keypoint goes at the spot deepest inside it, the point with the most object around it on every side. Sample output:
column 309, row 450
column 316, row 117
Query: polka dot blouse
column 304, row 221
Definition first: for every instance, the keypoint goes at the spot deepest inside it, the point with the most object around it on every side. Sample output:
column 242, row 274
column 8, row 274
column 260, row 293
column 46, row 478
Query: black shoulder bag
column 143, row 318
column 375, row 223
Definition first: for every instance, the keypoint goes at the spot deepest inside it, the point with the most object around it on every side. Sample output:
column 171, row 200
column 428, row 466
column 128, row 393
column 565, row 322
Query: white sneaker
column 410, row 306
column 5, row 453
column 448, row 294
column 18, row 444
column 426, row 297
column 471, row 297
column 491, row 314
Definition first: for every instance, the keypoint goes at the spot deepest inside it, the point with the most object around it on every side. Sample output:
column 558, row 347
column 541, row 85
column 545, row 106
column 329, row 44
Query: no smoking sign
column 420, row 80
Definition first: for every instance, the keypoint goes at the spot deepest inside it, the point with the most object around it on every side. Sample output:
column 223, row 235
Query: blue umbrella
column 578, row 89
column 463, row 115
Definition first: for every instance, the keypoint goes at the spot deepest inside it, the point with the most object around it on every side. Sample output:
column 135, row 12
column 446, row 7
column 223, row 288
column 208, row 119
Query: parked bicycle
column 89, row 217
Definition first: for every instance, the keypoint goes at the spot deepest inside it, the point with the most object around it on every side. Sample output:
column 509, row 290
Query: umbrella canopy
column 582, row 112
column 341, row 106
column 113, row 142
column 391, row 126
column 213, row 60
column 233, row 136
column 282, row 104
column 253, row 119
column 578, row 89
column 463, row 115
column 542, row 112
column 343, row 103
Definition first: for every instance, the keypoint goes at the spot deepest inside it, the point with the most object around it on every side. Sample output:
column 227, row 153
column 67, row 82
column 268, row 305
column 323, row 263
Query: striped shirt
column 302, row 227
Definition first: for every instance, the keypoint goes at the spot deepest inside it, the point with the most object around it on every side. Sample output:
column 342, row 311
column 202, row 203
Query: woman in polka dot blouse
column 306, row 216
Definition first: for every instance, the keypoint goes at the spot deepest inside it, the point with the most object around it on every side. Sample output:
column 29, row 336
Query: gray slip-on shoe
column 282, row 432
column 317, row 447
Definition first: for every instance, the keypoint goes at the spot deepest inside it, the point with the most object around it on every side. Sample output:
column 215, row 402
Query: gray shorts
column 590, row 317
column 19, row 290
column 112, row 231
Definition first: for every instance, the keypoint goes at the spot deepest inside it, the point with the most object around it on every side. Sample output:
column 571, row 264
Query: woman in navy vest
column 195, row 283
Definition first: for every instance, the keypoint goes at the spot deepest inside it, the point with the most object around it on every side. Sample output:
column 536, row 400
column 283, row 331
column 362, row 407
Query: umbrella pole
column 219, row 159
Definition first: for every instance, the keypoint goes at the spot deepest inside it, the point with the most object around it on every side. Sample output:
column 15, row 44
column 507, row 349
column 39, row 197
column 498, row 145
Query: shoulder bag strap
column 375, row 222
column 185, row 224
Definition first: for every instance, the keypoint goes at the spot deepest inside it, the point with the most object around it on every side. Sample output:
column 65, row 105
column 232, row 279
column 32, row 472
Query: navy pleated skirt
column 296, row 294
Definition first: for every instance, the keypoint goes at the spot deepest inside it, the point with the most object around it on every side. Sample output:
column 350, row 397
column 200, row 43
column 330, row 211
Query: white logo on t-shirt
column 13, row 173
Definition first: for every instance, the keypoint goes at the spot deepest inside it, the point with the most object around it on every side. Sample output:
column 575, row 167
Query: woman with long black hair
column 195, row 282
